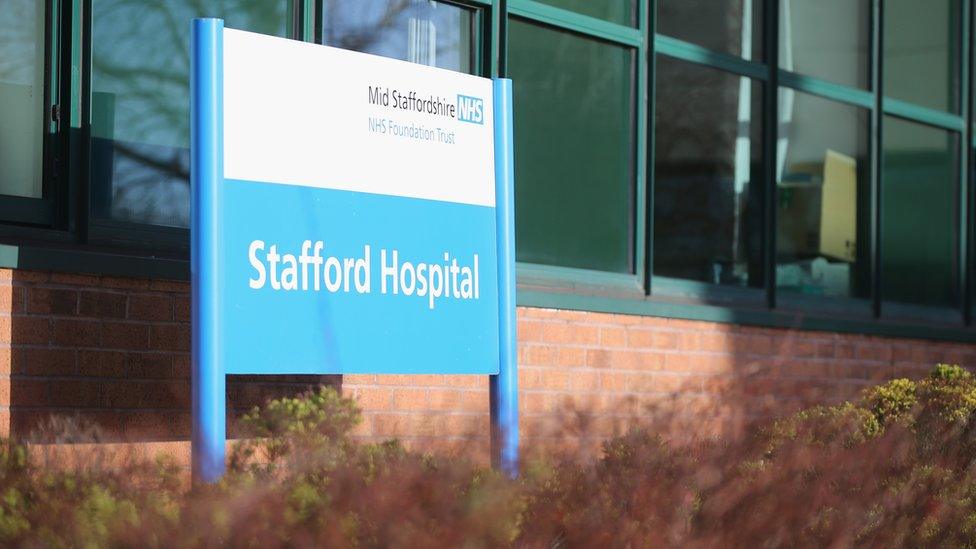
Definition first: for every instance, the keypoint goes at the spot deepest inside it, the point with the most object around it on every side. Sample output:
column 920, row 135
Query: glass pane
column 823, row 197
column 574, row 140
column 920, row 220
column 420, row 31
column 623, row 12
column 708, row 175
column 921, row 52
column 140, row 100
column 729, row 26
column 22, row 105
column 829, row 39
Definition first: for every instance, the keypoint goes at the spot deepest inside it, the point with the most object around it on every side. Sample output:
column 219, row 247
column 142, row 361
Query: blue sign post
column 374, row 235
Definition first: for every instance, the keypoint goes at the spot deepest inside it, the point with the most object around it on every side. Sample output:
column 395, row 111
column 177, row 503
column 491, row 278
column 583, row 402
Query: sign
column 358, row 232
column 351, row 214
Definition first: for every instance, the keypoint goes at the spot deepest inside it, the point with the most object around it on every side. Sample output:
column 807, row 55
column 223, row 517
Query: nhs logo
column 470, row 109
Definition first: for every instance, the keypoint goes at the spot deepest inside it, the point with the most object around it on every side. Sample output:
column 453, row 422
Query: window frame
column 67, row 239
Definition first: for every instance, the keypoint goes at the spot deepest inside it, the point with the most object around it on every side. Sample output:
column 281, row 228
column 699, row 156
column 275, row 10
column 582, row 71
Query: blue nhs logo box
column 470, row 109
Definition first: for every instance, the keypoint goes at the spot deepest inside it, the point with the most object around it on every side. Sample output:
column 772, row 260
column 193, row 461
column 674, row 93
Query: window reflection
column 419, row 31
column 729, row 26
column 140, row 100
column 922, row 52
column 22, row 104
column 708, row 182
column 920, row 218
column 829, row 39
column 823, row 192
column 574, row 149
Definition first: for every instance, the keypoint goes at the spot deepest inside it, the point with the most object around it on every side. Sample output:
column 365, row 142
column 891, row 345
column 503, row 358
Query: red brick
column 156, row 425
column 21, row 276
column 529, row 330
column 103, row 305
column 374, row 398
column 570, row 357
column 125, row 283
column 11, row 299
column 170, row 337
column 872, row 351
column 444, row 399
column 75, row 393
column 34, row 361
column 7, row 366
column 124, row 335
column 28, row 330
column 76, row 333
column 169, row 285
column 612, row 337
column 56, row 301
column 101, row 363
column 181, row 366
column 390, row 425
column 182, row 308
column 165, row 394
column 151, row 307
column 539, row 355
column 475, row 401
column 28, row 392
column 74, row 279
column 150, row 365
column 409, row 399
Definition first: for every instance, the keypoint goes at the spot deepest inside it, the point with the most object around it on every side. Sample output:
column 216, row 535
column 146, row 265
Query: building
column 723, row 205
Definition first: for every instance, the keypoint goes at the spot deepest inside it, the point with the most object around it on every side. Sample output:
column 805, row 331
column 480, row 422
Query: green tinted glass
column 920, row 203
column 829, row 39
column 140, row 100
column 707, row 175
column 616, row 11
column 574, row 141
column 22, row 104
column 922, row 52
column 823, row 197
column 728, row 26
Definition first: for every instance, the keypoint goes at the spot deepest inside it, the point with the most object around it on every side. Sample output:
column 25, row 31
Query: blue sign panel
column 333, row 281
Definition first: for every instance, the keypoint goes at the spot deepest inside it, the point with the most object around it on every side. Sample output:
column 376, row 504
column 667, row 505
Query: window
column 140, row 101
column 623, row 12
column 779, row 159
column 23, row 103
column 430, row 33
column 922, row 52
column 828, row 39
column 920, row 215
column 708, row 175
column 823, row 233
column 574, row 148
column 728, row 26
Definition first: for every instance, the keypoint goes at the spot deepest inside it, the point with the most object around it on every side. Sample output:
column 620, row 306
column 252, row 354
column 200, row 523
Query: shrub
column 895, row 467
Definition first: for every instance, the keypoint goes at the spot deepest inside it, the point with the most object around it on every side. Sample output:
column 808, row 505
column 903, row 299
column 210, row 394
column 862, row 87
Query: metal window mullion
column 575, row 22
column 651, row 45
column 877, row 168
column 770, row 136
column 826, row 89
column 693, row 53
column 965, row 167
column 642, row 166
column 497, row 39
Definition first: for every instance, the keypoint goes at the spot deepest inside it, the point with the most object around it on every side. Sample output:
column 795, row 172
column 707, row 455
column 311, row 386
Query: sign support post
column 208, row 382
column 504, row 385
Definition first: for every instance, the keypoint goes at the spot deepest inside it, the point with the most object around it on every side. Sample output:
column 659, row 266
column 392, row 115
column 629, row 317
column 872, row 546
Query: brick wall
column 115, row 351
